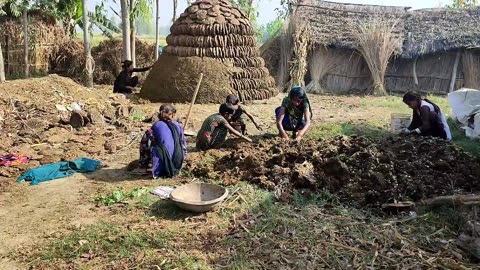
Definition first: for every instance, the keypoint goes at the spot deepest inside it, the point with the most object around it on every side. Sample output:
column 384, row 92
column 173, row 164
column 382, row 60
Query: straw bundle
column 286, row 49
column 376, row 42
column 298, row 64
column 320, row 63
column 471, row 69
column 216, row 29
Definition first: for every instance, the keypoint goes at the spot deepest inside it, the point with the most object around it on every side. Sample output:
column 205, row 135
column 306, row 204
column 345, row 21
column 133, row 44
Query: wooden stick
column 454, row 71
column 193, row 100
column 455, row 200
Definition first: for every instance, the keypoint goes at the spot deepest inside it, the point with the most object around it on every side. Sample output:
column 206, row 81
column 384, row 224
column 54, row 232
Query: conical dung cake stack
column 216, row 29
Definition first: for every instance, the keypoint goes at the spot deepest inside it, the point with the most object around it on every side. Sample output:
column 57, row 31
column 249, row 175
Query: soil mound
column 214, row 29
column 34, row 117
column 173, row 79
column 355, row 168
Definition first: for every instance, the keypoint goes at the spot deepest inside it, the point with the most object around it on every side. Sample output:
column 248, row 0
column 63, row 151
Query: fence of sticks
column 43, row 35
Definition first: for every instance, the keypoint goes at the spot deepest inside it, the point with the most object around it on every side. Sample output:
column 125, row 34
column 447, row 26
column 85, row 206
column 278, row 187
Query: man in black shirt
column 125, row 83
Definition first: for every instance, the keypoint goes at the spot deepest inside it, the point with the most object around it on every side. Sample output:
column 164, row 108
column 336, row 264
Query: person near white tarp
column 427, row 120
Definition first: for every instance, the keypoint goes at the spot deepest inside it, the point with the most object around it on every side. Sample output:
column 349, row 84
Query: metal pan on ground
column 198, row 197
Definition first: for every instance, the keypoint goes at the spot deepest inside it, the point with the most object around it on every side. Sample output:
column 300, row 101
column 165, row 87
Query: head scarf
column 299, row 92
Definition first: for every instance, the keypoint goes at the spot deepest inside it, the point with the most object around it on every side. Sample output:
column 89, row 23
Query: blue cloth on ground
column 59, row 170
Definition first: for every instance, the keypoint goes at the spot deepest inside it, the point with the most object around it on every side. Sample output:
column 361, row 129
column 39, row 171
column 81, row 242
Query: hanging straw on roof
column 376, row 41
column 320, row 62
column 286, row 51
column 298, row 64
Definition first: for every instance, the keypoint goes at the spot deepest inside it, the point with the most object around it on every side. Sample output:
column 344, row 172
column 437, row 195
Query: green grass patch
column 105, row 240
column 119, row 195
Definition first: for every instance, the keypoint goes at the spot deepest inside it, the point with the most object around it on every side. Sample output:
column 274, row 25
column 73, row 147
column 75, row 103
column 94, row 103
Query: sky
column 267, row 8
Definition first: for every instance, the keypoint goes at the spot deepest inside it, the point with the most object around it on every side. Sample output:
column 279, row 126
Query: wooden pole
column 415, row 78
column 25, row 42
column 193, row 100
column 157, row 30
column 454, row 71
column 86, row 47
column 2, row 66
column 132, row 34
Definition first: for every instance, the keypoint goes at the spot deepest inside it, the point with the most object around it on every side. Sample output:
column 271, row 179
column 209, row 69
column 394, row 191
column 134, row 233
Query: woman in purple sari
column 163, row 145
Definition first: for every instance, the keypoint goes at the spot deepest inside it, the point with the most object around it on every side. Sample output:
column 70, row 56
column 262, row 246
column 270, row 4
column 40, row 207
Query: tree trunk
column 125, row 30
column 132, row 33
column 157, row 30
column 86, row 47
column 175, row 4
column 25, row 43
column 2, row 67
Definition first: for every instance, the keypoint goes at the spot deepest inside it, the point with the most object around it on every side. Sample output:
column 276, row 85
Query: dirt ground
column 33, row 216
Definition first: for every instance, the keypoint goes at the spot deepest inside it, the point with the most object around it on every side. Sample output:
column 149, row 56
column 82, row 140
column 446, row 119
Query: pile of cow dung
column 356, row 169
column 214, row 29
column 178, row 77
column 35, row 121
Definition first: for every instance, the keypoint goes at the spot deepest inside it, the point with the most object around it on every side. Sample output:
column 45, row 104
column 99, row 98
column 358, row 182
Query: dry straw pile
column 320, row 62
column 216, row 29
column 376, row 41
column 44, row 37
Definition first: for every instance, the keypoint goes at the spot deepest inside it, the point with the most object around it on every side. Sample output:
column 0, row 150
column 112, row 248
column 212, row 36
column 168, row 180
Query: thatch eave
column 425, row 31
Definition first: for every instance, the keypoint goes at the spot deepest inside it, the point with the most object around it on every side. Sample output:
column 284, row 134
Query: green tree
column 139, row 9
column 70, row 14
column 251, row 10
column 464, row 3
column 272, row 29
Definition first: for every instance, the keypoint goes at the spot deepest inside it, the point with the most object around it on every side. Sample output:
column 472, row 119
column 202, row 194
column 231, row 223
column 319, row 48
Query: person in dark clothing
column 125, row 83
column 294, row 114
column 427, row 119
column 238, row 120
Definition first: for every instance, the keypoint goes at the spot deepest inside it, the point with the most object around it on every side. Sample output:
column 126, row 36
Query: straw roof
column 423, row 31
column 331, row 23
column 429, row 31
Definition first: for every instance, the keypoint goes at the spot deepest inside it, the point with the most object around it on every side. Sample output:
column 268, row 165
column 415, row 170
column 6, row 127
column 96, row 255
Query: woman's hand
column 284, row 136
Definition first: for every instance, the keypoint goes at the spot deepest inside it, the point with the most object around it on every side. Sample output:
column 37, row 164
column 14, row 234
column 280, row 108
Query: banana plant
column 70, row 13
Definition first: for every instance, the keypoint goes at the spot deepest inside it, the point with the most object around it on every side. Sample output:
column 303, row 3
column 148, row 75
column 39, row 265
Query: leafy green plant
column 119, row 195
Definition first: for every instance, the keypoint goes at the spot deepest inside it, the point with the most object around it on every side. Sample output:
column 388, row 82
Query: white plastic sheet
column 465, row 103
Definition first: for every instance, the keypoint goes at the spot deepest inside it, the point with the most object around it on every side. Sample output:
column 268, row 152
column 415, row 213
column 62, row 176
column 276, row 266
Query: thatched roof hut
column 431, row 31
column 331, row 23
column 215, row 29
column 433, row 42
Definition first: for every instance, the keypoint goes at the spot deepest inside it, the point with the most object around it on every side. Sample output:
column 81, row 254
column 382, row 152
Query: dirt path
column 32, row 214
